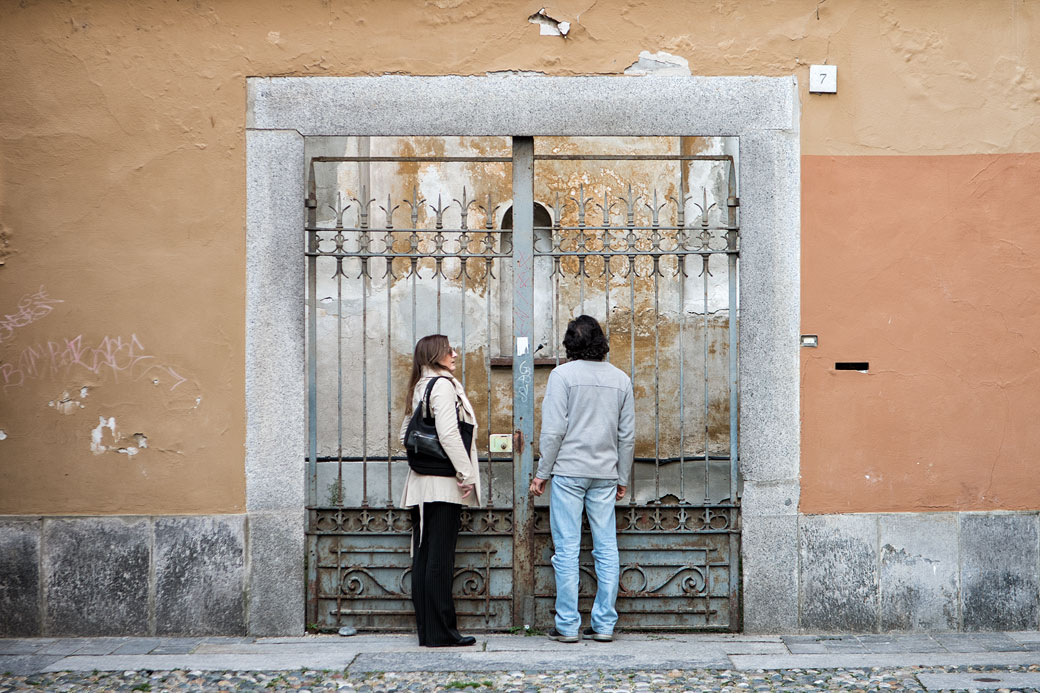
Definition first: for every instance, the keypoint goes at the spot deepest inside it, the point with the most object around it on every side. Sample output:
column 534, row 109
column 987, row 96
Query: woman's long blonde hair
column 428, row 351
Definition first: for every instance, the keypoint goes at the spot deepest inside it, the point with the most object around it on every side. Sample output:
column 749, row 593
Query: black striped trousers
column 433, row 570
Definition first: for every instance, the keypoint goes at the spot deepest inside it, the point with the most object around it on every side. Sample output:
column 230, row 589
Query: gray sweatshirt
column 588, row 422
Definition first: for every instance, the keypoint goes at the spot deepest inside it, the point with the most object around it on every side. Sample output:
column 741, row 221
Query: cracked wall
column 122, row 204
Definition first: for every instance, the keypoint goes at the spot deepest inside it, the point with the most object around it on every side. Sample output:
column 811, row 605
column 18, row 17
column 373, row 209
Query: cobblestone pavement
column 872, row 679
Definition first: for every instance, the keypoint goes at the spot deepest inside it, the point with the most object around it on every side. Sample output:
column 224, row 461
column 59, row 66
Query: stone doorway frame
column 762, row 112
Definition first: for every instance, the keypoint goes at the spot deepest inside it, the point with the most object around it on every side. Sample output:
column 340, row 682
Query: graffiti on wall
column 119, row 355
column 30, row 308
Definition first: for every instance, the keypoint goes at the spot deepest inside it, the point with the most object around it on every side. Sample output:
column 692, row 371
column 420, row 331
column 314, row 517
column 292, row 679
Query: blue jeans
column 568, row 496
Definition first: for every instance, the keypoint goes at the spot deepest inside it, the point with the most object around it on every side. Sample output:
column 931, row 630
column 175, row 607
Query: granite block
column 200, row 575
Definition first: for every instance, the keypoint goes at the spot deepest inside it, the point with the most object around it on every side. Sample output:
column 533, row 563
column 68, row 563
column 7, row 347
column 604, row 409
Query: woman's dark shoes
column 464, row 641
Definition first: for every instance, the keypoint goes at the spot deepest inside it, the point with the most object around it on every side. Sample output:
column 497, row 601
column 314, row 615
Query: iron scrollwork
column 397, row 521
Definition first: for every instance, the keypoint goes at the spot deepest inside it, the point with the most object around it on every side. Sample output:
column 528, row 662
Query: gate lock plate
column 501, row 442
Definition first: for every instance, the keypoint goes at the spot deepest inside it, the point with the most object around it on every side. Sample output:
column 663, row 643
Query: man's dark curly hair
column 584, row 340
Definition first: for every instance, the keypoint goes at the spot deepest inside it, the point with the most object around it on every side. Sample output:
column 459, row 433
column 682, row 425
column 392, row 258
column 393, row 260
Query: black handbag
column 425, row 453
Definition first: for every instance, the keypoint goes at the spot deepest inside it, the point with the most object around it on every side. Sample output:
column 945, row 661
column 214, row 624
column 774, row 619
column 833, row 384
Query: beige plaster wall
column 122, row 193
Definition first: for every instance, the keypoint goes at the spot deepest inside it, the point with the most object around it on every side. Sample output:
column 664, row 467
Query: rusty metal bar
column 555, row 331
column 339, row 381
column 565, row 253
column 389, row 385
column 364, row 384
column 633, row 157
column 523, row 378
column 413, row 159
column 657, row 384
column 732, row 238
column 537, row 157
column 414, row 276
column 626, row 227
column 312, row 344
column 462, row 319
column 606, row 300
column 707, row 392
column 311, row 204
column 487, row 369
column 480, row 458
column 681, row 262
column 414, row 256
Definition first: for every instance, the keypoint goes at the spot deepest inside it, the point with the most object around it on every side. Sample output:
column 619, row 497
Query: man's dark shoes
column 558, row 636
column 589, row 634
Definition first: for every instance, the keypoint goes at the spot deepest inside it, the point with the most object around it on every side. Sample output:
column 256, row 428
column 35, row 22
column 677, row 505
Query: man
column 587, row 440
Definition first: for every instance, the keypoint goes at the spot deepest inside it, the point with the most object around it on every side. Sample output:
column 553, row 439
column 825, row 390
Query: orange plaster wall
column 122, row 194
column 929, row 269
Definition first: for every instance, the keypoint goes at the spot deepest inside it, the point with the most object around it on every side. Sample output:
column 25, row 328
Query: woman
column 436, row 501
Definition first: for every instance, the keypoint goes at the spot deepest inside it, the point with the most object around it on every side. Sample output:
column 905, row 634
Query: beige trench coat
column 422, row 488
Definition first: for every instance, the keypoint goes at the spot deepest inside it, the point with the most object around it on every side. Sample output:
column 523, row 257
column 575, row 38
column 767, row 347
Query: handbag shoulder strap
column 426, row 398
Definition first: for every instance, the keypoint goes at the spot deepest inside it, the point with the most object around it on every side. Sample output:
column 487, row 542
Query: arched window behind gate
column 544, row 342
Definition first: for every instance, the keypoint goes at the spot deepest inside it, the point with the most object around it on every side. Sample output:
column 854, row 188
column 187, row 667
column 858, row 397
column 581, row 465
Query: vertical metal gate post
column 732, row 235
column 312, row 389
column 523, row 379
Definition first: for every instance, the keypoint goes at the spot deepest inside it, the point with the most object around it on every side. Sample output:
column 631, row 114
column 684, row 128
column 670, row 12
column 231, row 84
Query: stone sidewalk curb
column 204, row 662
column 888, row 661
column 500, row 652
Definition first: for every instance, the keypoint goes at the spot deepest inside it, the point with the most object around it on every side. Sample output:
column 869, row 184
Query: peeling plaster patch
column 95, row 435
column 140, row 441
column 66, row 405
column 3, row 435
column 5, row 244
column 547, row 26
column 198, row 401
column 659, row 63
column 514, row 73
column 84, row 391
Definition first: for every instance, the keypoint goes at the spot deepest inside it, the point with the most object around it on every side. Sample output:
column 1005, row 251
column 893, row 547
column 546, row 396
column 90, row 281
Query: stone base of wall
column 190, row 575
column 138, row 575
column 919, row 572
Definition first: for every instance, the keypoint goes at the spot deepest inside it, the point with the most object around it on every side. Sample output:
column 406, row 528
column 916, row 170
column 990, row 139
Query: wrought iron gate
column 504, row 241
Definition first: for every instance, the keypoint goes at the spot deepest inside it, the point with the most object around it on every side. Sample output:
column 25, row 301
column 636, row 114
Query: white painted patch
column 547, row 26
column 95, row 435
column 129, row 452
column 84, row 391
column 198, row 401
column 3, row 435
column 659, row 63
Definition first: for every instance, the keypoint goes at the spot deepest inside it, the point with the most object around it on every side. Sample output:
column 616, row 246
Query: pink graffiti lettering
column 31, row 308
column 177, row 375
column 120, row 356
